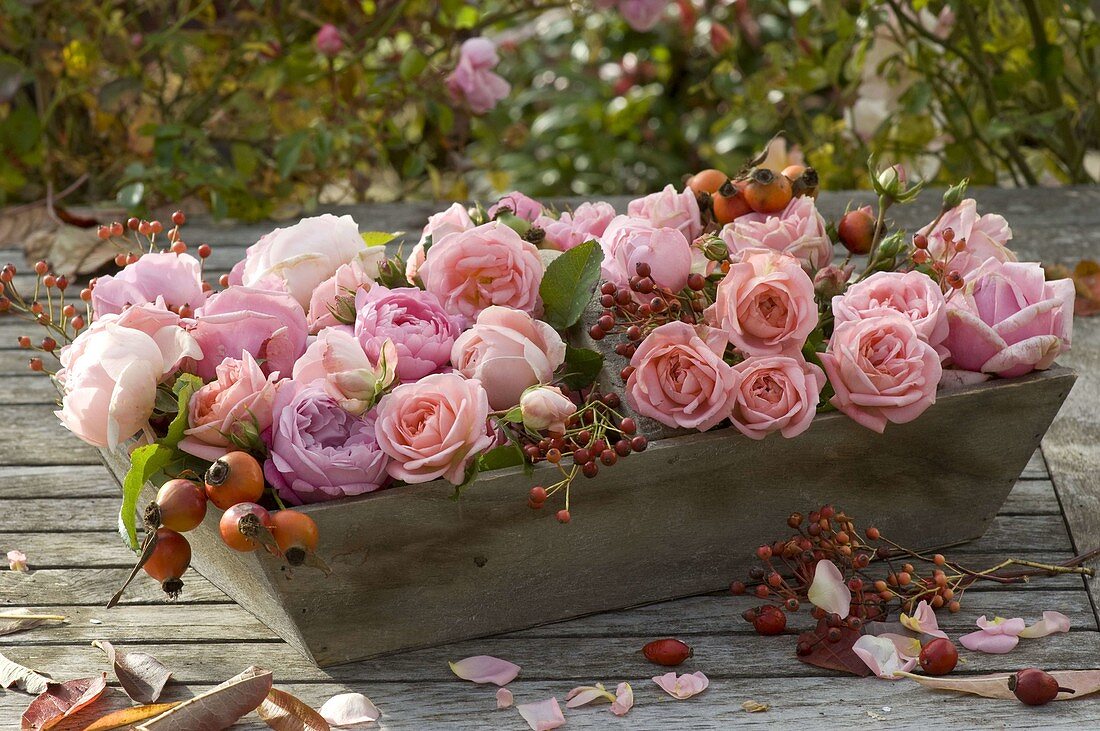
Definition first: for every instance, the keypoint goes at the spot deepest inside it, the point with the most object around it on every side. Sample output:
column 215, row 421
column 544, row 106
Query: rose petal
column 624, row 699
column 543, row 715
column 923, row 621
column 347, row 709
column 829, row 591
column 683, row 686
column 485, row 669
column 1001, row 626
column 585, row 694
column 881, row 656
column 906, row 646
column 504, row 698
column 1051, row 623
column 994, row 644
column 17, row 560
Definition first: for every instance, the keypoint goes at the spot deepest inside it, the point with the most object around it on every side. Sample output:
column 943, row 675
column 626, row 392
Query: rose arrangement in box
column 322, row 368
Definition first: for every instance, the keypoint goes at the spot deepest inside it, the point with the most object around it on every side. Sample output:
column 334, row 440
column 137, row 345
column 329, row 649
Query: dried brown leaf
column 18, row 223
column 62, row 700
column 219, row 707
column 833, row 655
column 12, row 673
column 22, row 619
column 284, row 712
column 128, row 716
column 1084, row 682
column 754, row 707
column 140, row 674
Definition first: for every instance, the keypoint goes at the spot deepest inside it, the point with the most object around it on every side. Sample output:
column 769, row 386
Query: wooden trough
column 413, row 568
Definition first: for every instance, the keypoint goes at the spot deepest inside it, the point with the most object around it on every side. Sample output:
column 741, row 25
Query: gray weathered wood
column 32, row 435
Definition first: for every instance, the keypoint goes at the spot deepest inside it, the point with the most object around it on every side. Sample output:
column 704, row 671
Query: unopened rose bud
column 545, row 408
column 328, row 41
column 832, row 280
column 955, row 194
column 715, row 249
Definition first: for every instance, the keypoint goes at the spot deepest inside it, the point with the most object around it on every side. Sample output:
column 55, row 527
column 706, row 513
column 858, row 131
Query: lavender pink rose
column 422, row 332
column 174, row 280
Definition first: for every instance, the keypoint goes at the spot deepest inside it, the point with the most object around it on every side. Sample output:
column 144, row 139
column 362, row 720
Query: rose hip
column 234, row 478
column 169, row 559
column 939, row 657
column 668, row 652
column 296, row 535
column 245, row 527
column 181, row 505
column 769, row 620
column 1034, row 687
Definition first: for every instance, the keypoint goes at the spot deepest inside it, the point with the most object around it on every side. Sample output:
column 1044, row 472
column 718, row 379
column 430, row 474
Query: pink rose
column 348, row 280
column 641, row 15
column 680, row 379
column 269, row 325
column 473, row 80
column 335, row 360
column 986, row 237
column 454, row 219
column 776, row 393
column 799, row 230
column 913, row 294
column 519, row 204
column 508, row 351
column 237, row 404
column 669, row 209
column 546, row 408
column 1010, row 321
column 628, row 242
column 587, row 222
column 881, row 370
column 434, row 427
column 414, row 321
column 175, row 279
column 328, row 41
column 109, row 377
column 487, row 265
column 164, row 327
column 766, row 304
column 300, row 257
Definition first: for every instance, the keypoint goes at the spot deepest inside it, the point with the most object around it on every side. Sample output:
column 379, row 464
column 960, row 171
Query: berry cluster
column 596, row 436
column 949, row 279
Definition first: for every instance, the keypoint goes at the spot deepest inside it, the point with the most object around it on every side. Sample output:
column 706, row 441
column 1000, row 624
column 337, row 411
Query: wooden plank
column 1036, row 468
column 93, row 587
column 1031, row 497
column 34, row 388
column 50, row 481
column 35, row 437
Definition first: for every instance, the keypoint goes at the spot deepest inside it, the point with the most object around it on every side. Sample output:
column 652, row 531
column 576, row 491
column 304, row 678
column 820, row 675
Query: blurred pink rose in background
column 175, row 279
column 519, row 204
column 776, row 393
column 588, row 221
column 641, row 15
column 670, row 209
column 271, row 326
column 986, row 237
column 799, row 230
column 1009, row 320
column 328, row 41
column 629, row 241
column 473, row 80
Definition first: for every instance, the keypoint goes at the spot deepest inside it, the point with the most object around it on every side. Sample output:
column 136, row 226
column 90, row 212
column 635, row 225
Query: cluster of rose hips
column 47, row 307
column 595, row 437
column 233, row 483
column 949, row 279
column 759, row 190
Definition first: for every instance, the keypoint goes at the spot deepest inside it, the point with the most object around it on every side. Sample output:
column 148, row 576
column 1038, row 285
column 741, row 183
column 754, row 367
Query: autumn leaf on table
column 127, row 717
column 141, row 675
column 833, row 655
column 285, row 712
column 219, row 707
column 12, row 673
column 62, row 700
column 1083, row 682
column 1086, row 282
column 19, row 620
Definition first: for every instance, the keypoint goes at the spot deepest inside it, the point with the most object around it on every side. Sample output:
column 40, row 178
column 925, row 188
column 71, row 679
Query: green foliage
column 568, row 284
column 228, row 103
column 581, row 368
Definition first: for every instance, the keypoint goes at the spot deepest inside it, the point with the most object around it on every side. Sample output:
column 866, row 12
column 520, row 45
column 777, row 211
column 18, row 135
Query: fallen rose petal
column 585, row 694
column 923, row 621
column 504, row 698
column 624, row 699
column 683, row 686
column 1051, row 623
column 543, row 715
column 1001, row 626
column 17, row 560
column 906, row 646
column 993, row 644
column 485, row 669
column 347, row 709
column 882, row 657
column 829, row 591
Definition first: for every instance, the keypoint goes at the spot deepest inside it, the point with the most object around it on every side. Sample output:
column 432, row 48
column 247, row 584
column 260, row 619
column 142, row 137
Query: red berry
column 132, row 223
column 169, row 559
column 242, row 527
column 939, row 657
column 296, row 535
column 1034, row 687
column 178, row 248
column 181, row 504
column 668, row 652
column 769, row 620
column 204, row 251
column 538, row 494
column 178, row 218
column 856, row 230
column 563, row 516
column 234, row 478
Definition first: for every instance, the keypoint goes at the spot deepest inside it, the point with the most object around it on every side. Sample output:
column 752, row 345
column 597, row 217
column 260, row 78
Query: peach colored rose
column 881, row 370
column 434, row 427
column 346, row 282
column 765, row 304
column 487, row 265
column 669, row 209
column 913, row 294
column 986, row 237
column 239, row 401
column 1009, row 320
column 776, row 393
column 508, row 351
column 679, row 377
column 799, row 230
column 545, row 408
column 629, row 241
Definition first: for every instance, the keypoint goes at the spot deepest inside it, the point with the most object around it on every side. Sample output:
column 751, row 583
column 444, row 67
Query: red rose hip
column 668, row 652
column 938, row 657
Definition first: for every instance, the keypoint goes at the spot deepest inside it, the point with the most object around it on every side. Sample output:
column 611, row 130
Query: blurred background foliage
column 233, row 106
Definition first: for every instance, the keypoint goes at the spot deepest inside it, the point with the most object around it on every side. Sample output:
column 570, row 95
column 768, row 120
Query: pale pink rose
column 520, row 205
column 629, row 241
column 776, row 393
column 473, row 80
column 508, row 351
column 434, row 427
column 17, row 560
column 454, row 219
column 241, row 395
column 487, row 265
column 545, row 408
column 669, row 209
column 164, row 327
column 1008, row 320
column 174, row 279
column 799, row 230
column 913, row 294
column 335, row 360
column 303, row 256
column 587, row 222
column 348, row 280
column 328, row 41
column 269, row 325
column 109, row 377
column 766, row 304
column 641, row 15
column 881, row 370
column 986, row 237
column 680, row 379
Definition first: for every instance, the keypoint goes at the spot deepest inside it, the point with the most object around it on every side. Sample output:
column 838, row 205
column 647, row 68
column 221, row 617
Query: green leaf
column 581, row 368
column 377, row 238
column 412, row 64
column 144, row 463
column 514, row 415
column 186, row 385
column 506, row 455
column 129, row 196
column 288, row 151
column 569, row 283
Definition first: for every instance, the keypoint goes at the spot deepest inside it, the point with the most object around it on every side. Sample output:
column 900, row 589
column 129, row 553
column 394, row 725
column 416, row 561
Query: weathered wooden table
column 59, row 506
